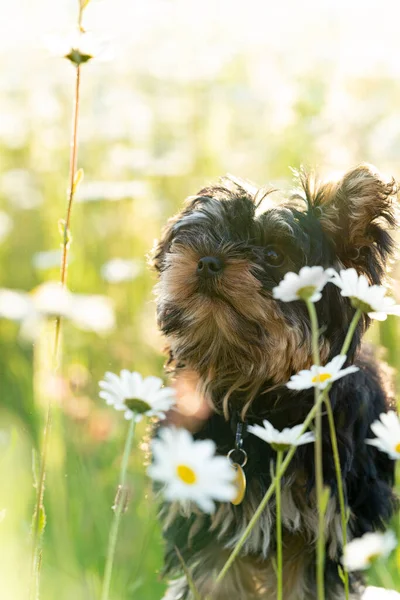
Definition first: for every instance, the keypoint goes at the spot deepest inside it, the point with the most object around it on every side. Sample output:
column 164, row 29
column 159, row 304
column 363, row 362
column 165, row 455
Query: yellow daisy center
column 397, row 448
column 186, row 474
column 321, row 377
column 371, row 558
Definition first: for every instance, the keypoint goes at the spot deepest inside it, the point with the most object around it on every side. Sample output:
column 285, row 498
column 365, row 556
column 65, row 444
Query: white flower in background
column 92, row 312
column 6, row 224
column 282, row 440
column 31, row 309
column 321, row 376
column 375, row 593
column 93, row 191
column 50, row 299
column 371, row 299
column 118, row 270
column 48, row 259
column 5, row 438
column 136, row 396
column 387, row 431
column 306, row 285
column 190, row 470
column 361, row 552
column 20, row 188
column 14, row 305
column 78, row 46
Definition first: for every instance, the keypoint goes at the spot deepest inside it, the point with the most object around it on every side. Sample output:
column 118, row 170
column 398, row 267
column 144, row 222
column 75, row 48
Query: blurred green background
column 181, row 93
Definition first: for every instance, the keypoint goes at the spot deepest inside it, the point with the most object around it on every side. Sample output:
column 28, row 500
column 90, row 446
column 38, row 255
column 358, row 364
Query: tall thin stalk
column 339, row 482
column 279, row 474
column 351, row 331
column 319, row 476
column 268, row 494
column 38, row 520
column 118, row 509
column 71, row 194
column 279, row 557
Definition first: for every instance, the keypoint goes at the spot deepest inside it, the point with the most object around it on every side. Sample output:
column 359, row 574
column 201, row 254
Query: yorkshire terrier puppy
column 218, row 261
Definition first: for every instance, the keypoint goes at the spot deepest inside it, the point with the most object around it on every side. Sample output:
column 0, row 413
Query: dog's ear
column 357, row 213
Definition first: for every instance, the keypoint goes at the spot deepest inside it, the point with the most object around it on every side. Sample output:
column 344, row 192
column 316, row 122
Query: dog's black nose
column 208, row 266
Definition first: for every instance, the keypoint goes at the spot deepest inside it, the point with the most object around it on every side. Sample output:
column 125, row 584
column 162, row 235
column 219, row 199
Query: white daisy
column 14, row 304
column 92, row 312
column 321, row 376
column 50, row 300
column 78, row 46
column 360, row 553
column 387, row 432
column 190, row 470
column 371, row 299
column 137, row 396
column 375, row 593
column 6, row 225
column 281, row 440
column 118, row 270
column 306, row 285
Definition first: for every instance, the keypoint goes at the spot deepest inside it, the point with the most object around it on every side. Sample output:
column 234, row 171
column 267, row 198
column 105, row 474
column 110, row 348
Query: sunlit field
column 178, row 93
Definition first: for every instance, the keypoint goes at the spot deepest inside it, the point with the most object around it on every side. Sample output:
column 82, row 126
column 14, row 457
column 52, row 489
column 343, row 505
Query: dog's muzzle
column 208, row 267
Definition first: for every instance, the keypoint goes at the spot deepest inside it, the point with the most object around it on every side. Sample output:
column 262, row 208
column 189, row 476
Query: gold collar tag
column 240, row 483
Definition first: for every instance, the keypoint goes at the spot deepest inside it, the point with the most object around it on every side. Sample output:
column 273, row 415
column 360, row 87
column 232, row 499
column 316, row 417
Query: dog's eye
column 274, row 257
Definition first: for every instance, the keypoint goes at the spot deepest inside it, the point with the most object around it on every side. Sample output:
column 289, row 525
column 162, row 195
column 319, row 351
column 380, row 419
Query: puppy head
column 218, row 262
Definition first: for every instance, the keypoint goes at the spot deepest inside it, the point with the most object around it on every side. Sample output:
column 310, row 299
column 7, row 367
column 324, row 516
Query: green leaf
column 42, row 520
column 341, row 573
column 61, row 226
column 35, row 468
column 398, row 558
column 61, row 229
column 78, row 179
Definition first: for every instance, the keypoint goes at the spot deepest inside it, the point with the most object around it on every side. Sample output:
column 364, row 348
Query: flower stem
column 279, row 560
column 118, row 509
column 71, row 193
column 339, row 481
column 268, row 494
column 38, row 520
column 335, row 450
column 350, row 333
column 385, row 576
column 319, row 475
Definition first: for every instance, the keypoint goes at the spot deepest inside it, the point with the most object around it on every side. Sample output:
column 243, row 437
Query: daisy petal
column 191, row 470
